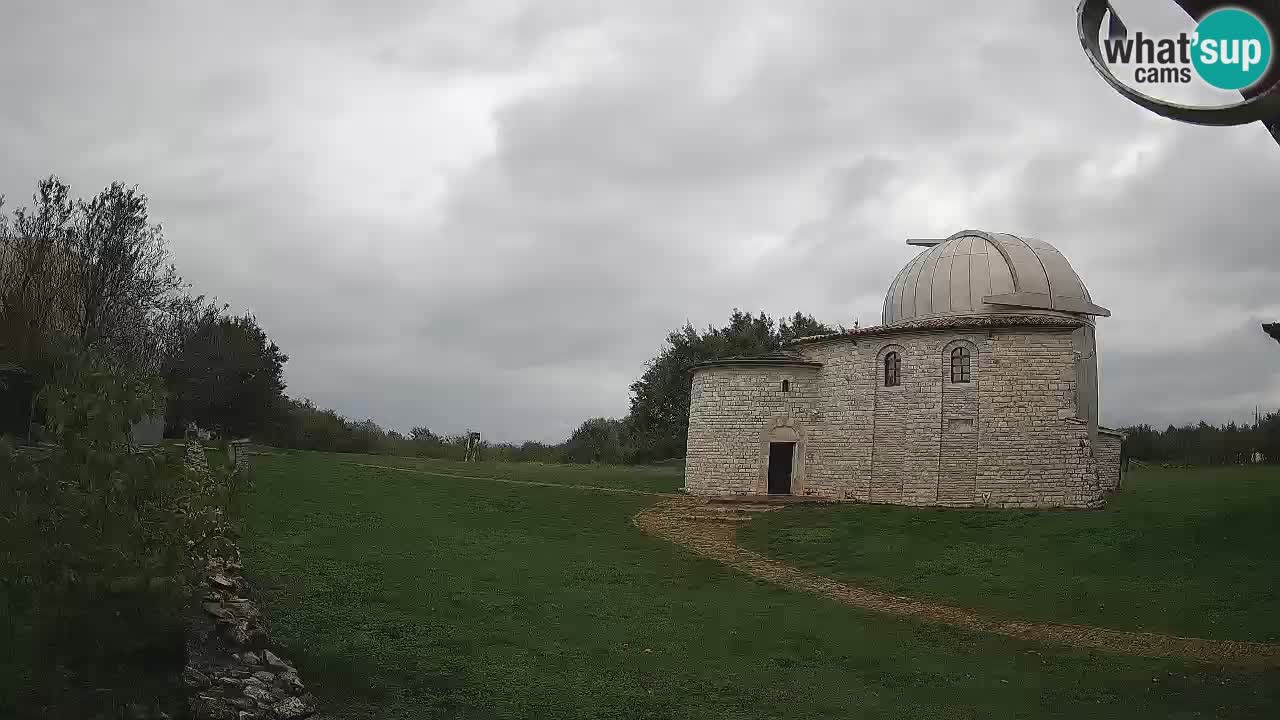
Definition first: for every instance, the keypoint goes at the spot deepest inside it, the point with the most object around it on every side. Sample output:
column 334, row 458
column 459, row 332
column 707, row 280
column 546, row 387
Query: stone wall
column 1008, row 438
column 732, row 412
column 1110, row 468
column 232, row 672
column 1033, row 451
column 960, row 422
column 238, row 456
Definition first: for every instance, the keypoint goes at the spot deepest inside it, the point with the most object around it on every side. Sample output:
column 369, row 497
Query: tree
column 1269, row 437
column 104, row 548
column 90, row 278
column 226, row 374
column 659, row 417
column 600, row 440
column 123, row 276
column 422, row 434
column 35, row 272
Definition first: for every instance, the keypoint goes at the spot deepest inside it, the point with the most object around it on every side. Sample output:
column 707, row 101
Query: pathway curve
column 709, row 528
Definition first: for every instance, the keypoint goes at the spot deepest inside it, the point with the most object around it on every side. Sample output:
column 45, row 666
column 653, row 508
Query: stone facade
column 735, row 413
column 1011, row 437
column 1021, row 431
column 1111, row 459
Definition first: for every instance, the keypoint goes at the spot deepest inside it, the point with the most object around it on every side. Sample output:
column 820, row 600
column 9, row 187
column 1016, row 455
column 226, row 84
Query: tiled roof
column 957, row 322
column 775, row 359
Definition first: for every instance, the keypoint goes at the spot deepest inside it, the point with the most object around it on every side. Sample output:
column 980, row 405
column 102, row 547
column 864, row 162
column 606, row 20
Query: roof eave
column 945, row 323
column 1040, row 301
column 756, row 362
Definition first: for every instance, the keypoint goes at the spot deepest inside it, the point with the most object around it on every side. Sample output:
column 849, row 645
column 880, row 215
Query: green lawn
column 412, row 596
column 1190, row 552
column 651, row 479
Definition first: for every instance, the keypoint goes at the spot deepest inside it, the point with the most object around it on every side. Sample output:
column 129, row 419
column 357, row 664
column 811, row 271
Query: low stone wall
column 232, row 672
column 238, row 456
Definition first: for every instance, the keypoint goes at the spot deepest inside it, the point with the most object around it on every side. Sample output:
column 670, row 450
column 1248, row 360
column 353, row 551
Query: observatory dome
column 978, row 273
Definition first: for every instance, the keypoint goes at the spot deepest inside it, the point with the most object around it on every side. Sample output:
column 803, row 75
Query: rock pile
column 196, row 459
column 232, row 672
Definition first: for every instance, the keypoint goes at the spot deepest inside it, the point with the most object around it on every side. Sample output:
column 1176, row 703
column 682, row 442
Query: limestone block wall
column 878, row 444
column 1008, row 438
column 906, row 432
column 1110, row 471
column 838, row 447
column 960, row 423
column 732, row 410
column 1032, row 450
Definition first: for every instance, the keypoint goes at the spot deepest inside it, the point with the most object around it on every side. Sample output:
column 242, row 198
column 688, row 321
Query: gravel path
column 709, row 528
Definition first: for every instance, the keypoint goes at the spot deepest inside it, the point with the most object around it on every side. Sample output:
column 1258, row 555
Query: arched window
column 786, row 386
column 892, row 364
column 960, row 365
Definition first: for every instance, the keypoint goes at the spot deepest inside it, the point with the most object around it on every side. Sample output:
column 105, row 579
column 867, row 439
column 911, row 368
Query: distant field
column 1190, row 552
column 403, row 595
column 654, row 479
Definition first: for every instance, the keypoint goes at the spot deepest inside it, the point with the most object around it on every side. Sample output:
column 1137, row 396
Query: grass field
column 1188, row 552
column 403, row 595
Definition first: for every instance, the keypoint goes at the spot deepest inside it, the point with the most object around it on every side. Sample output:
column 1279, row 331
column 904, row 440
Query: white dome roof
column 976, row 273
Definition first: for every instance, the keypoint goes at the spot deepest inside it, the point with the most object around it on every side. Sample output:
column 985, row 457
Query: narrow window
column 892, row 378
column 960, row 365
column 786, row 386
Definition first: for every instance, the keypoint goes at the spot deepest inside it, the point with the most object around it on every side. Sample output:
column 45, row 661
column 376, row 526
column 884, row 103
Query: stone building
column 980, row 389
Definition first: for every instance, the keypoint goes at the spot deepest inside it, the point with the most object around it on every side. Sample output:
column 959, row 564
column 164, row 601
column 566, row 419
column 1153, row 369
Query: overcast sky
column 489, row 214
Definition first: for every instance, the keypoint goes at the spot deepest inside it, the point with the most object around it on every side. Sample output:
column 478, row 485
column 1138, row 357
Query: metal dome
column 975, row 273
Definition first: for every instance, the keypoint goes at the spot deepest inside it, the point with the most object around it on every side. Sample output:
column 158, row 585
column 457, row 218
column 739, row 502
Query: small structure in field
column 980, row 389
column 148, row 431
column 16, row 393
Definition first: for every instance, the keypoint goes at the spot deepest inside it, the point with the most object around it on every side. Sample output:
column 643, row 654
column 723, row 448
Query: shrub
column 101, row 548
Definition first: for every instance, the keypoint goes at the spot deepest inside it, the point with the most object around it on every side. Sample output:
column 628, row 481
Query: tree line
column 654, row 430
column 1205, row 444
column 90, row 282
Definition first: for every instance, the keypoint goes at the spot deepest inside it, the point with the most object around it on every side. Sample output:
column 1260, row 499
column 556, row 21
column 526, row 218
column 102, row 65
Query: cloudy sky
column 489, row 214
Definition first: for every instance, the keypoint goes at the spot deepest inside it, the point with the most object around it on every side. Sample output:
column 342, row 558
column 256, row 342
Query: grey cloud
column 490, row 214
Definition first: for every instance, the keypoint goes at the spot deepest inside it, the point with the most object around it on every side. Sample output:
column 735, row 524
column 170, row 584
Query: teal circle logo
column 1232, row 49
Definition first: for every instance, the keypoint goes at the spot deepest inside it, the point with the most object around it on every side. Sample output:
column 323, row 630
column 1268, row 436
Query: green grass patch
column 1190, row 552
column 659, row 478
column 413, row 596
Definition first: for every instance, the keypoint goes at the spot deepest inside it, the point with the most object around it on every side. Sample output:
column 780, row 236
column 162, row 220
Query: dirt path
column 709, row 528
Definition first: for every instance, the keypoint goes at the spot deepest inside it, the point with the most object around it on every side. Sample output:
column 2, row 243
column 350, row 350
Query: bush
column 101, row 548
